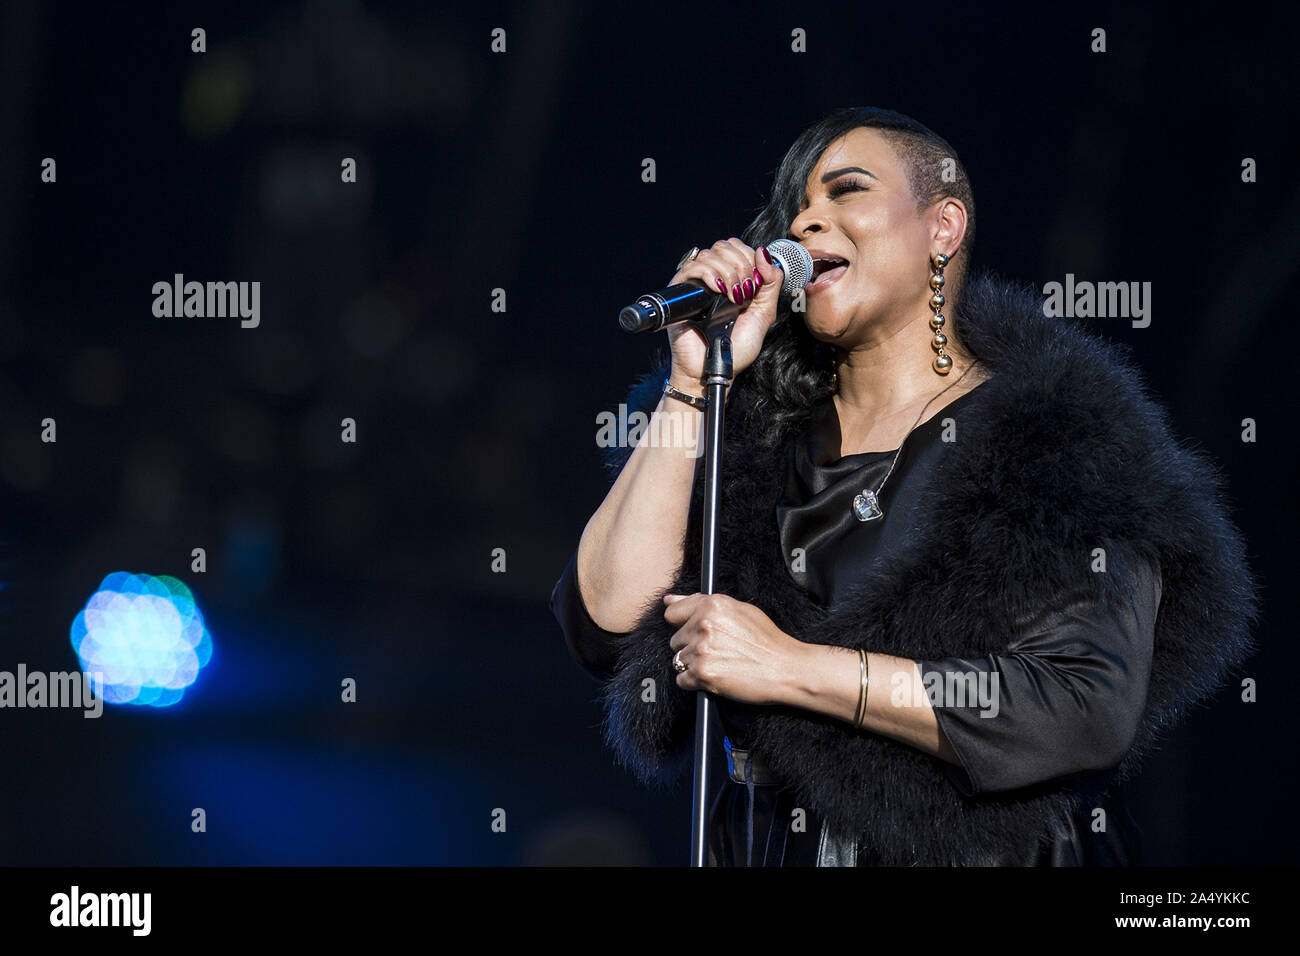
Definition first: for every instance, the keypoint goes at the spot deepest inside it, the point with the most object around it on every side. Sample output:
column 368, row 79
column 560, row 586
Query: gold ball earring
column 942, row 361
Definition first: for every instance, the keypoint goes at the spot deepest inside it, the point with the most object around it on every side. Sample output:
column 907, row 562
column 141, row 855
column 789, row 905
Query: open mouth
column 827, row 270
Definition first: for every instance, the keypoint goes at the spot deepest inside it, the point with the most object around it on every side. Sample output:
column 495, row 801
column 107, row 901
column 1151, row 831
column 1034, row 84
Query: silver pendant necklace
column 866, row 504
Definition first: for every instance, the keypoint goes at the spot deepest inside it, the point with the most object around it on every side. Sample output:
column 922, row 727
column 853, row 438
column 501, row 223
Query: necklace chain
column 868, row 500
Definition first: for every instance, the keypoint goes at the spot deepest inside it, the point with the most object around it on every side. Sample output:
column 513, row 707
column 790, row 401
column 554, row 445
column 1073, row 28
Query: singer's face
column 859, row 206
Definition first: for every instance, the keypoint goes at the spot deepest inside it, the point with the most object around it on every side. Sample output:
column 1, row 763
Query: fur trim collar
column 1060, row 452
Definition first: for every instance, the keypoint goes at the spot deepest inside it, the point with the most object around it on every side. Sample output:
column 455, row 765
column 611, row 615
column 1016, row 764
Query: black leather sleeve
column 591, row 645
column 1067, row 696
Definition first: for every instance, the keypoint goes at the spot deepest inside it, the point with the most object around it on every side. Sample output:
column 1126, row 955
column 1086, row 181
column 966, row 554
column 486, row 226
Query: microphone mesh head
column 794, row 262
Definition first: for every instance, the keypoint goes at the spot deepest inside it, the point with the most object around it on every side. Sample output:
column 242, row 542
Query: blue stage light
column 145, row 636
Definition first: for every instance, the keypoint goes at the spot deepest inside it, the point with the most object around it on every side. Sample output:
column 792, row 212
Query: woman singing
column 966, row 576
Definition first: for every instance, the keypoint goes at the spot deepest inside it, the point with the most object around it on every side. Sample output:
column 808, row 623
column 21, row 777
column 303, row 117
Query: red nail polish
column 768, row 257
column 721, row 286
column 749, row 288
column 735, row 292
column 758, row 280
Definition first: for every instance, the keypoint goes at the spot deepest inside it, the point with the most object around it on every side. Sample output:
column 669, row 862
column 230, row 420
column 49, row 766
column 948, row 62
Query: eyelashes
column 842, row 186
column 838, row 189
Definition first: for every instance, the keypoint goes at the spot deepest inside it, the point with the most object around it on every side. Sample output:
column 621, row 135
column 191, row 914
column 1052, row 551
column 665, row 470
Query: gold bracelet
column 862, row 694
column 694, row 400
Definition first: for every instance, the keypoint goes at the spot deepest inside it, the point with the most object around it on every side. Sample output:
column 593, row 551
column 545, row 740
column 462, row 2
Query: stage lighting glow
column 145, row 635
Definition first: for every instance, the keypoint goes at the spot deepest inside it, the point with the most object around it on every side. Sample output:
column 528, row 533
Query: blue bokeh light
column 145, row 636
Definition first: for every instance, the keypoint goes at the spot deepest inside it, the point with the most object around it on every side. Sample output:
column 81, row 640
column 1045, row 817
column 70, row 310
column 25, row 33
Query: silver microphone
column 690, row 301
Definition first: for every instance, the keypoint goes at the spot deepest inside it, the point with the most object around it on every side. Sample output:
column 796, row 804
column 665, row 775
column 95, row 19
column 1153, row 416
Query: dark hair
column 792, row 372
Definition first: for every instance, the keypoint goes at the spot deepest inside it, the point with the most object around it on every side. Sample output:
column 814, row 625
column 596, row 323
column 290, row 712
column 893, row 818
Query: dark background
column 477, row 429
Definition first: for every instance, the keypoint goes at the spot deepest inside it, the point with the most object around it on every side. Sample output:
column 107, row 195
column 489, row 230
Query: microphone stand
column 651, row 313
column 717, row 377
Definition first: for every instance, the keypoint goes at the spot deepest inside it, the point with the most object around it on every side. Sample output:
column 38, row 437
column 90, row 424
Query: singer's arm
column 1066, row 698
column 632, row 547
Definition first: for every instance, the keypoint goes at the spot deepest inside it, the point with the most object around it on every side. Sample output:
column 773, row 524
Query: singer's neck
column 893, row 375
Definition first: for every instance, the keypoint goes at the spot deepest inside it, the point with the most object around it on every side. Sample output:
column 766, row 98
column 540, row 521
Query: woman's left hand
column 731, row 648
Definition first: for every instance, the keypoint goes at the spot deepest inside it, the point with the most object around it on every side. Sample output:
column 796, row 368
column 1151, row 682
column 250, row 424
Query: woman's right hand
column 727, row 266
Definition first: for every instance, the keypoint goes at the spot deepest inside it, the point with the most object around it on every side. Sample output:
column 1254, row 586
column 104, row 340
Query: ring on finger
column 678, row 664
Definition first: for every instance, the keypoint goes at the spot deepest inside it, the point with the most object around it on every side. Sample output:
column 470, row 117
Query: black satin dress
column 1072, row 667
